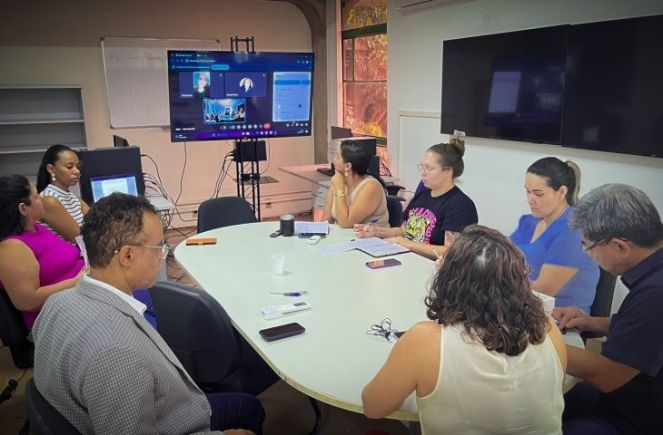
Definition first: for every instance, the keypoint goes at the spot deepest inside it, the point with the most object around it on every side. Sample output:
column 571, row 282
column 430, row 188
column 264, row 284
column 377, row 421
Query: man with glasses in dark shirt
column 622, row 388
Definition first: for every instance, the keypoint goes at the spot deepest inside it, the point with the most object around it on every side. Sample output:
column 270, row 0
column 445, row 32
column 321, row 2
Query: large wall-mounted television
column 507, row 86
column 216, row 95
column 595, row 86
column 614, row 87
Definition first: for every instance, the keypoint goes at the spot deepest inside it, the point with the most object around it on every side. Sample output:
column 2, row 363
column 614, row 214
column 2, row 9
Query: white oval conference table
column 335, row 357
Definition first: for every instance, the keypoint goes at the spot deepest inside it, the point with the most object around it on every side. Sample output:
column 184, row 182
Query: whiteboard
column 136, row 72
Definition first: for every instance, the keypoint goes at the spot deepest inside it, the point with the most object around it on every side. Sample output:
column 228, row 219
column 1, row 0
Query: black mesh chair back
column 223, row 212
column 395, row 209
column 602, row 305
column 44, row 419
column 605, row 290
column 13, row 333
column 200, row 334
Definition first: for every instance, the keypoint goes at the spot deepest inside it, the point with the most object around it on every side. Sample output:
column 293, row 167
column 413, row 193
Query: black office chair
column 223, row 212
column 44, row 419
column 199, row 332
column 395, row 209
column 13, row 333
column 602, row 305
column 393, row 189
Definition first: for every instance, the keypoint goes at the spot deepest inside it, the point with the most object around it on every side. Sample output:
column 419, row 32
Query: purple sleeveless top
column 58, row 260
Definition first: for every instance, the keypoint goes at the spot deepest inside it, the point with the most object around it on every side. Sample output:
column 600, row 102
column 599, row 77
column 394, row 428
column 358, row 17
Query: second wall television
column 595, row 86
column 218, row 95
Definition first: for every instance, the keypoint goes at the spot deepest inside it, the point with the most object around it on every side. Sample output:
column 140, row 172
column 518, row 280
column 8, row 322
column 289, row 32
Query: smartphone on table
column 378, row 264
column 281, row 331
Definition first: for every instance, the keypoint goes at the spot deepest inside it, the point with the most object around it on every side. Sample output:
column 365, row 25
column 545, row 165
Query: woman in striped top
column 63, row 210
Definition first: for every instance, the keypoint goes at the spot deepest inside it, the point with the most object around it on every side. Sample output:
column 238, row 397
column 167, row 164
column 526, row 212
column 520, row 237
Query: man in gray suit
column 100, row 363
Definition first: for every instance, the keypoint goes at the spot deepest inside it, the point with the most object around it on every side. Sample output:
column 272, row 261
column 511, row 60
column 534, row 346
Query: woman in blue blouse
column 559, row 266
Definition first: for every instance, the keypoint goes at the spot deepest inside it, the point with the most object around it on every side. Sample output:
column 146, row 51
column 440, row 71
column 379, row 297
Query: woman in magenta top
column 34, row 262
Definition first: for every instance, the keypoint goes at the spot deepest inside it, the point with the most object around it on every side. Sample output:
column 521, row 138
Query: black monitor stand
column 328, row 171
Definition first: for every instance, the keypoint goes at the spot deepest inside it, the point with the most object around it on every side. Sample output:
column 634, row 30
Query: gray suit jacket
column 108, row 371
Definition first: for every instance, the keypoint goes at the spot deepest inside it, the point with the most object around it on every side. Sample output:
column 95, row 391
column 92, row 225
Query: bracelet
column 339, row 194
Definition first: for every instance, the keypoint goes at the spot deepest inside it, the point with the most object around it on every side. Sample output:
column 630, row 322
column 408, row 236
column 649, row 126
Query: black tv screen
column 614, row 87
column 506, row 86
column 217, row 95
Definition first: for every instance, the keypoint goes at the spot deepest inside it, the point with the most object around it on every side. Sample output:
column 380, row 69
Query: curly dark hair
column 14, row 190
column 483, row 284
column 112, row 222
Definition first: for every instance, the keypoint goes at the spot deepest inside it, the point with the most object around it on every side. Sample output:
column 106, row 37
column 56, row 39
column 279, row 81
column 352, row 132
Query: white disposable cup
column 278, row 263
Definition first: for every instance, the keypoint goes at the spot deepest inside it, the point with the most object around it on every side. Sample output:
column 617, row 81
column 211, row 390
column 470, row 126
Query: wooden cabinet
column 32, row 118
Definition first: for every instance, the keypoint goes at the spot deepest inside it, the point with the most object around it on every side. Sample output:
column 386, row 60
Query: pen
column 289, row 293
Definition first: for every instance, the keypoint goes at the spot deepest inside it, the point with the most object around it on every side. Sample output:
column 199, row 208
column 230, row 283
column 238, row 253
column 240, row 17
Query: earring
column 346, row 173
column 53, row 177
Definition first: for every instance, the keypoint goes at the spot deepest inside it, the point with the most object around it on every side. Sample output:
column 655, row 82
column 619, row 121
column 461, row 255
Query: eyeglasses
column 594, row 245
column 163, row 247
column 425, row 168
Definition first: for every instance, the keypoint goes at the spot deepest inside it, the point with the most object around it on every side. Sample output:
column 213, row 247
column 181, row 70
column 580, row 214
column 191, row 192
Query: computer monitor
column 340, row 132
column 120, row 141
column 104, row 186
column 334, row 144
column 108, row 167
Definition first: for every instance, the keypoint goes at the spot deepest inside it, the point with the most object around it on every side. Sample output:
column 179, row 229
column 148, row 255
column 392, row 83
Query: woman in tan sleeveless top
column 489, row 361
column 355, row 196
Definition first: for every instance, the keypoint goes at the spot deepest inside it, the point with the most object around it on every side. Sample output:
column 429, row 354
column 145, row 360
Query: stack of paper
column 304, row 227
column 376, row 247
column 372, row 246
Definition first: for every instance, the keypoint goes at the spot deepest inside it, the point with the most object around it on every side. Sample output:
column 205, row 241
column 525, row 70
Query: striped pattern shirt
column 69, row 201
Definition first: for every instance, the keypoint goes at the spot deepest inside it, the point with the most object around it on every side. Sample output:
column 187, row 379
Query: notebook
column 376, row 247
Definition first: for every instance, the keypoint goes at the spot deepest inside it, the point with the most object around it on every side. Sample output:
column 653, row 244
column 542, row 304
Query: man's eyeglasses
column 594, row 245
column 163, row 247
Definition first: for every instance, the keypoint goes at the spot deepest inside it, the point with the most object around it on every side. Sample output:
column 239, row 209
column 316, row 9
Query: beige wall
column 58, row 43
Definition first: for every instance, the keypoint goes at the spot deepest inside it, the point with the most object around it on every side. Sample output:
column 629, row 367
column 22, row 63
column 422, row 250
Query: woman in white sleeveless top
column 355, row 196
column 489, row 361
column 63, row 210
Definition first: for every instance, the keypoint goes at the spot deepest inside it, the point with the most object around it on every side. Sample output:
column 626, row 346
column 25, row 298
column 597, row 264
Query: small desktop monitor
column 120, row 141
column 104, row 186
column 105, row 169
column 340, row 132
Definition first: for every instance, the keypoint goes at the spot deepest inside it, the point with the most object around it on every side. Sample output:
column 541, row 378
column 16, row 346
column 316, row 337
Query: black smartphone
column 281, row 331
column 378, row 264
column 275, row 233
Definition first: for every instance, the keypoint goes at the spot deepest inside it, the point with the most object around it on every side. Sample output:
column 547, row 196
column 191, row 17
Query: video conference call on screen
column 217, row 95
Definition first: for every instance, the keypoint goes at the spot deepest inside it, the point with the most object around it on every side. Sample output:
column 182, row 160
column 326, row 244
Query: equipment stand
column 247, row 170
